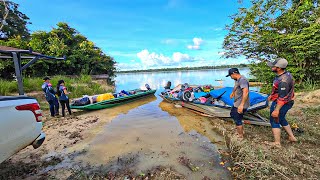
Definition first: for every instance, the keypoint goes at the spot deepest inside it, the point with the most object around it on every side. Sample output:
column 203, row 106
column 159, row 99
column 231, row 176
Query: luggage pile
column 189, row 93
column 85, row 100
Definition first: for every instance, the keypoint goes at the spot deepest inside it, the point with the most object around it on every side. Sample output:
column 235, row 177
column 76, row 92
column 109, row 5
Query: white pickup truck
column 20, row 125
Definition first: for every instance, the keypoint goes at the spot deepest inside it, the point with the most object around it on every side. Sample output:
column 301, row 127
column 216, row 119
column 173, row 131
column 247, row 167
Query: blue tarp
column 200, row 94
column 254, row 96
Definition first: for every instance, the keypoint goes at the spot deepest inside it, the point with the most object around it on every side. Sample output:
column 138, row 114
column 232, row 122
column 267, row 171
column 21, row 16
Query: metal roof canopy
column 15, row 54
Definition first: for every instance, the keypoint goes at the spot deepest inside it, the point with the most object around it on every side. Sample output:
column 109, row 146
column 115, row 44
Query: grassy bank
column 252, row 159
column 83, row 85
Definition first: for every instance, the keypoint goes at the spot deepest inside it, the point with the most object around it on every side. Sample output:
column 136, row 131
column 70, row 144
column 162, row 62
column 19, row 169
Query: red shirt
column 283, row 88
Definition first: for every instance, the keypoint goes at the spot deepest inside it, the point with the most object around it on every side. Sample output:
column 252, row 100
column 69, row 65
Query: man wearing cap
column 50, row 96
column 240, row 93
column 282, row 96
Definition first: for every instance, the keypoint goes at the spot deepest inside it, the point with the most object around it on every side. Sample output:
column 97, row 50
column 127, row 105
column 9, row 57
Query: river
column 151, row 132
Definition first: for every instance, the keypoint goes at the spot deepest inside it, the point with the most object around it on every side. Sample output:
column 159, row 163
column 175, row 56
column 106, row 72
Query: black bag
column 81, row 102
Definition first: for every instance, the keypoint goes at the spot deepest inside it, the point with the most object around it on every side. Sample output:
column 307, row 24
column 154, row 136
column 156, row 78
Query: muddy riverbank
column 136, row 141
column 146, row 138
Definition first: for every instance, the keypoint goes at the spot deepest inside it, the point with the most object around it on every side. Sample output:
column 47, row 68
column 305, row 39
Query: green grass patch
column 8, row 87
column 307, row 85
column 83, row 85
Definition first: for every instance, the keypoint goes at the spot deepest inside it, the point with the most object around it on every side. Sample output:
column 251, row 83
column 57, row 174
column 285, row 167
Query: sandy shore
column 52, row 160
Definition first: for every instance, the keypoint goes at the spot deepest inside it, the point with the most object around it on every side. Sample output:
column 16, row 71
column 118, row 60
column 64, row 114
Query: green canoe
column 116, row 101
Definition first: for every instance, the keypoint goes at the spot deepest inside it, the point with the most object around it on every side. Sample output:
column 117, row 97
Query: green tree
column 12, row 21
column 83, row 57
column 6, row 65
column 277, row 28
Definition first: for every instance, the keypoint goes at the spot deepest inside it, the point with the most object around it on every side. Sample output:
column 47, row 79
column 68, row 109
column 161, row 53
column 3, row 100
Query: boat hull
column 250, row 117
column 115, row 102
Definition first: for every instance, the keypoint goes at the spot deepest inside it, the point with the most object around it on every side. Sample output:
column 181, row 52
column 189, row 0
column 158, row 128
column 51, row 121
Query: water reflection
column 191, row 122
column 156, row 132
column 156, row 135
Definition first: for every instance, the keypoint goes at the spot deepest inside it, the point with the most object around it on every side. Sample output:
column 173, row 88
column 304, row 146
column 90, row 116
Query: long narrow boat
column 116, row 101
column 223, row 106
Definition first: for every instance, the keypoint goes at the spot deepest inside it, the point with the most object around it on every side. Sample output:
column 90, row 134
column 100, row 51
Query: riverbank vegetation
column 270, row 29
column 78, row 86
column 82, row 56
column 185, row 68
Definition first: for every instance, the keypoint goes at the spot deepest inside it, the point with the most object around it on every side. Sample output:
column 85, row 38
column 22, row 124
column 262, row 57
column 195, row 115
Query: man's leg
column 240, row 131
column 276, row 131
column 56, row 106
column 290, row 133
column 277, row 135
column 51, row 107
column 238, row 120
column 284, row 123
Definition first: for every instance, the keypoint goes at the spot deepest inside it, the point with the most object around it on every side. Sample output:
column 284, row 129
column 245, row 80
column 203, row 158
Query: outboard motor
column 183, row 87
column 186, row 85
column 147, row 86
column 168, row 86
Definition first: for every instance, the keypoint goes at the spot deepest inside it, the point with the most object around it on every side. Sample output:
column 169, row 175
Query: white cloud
column 193, row 47
column 154, row 59
column 196, row 43
column 179, row 57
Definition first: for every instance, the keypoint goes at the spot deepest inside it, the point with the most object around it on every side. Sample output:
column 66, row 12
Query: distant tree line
column 82, row 56
column 277, row 28
column 184, row 68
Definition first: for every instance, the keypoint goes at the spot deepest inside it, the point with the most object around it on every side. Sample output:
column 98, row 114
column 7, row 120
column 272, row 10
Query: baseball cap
column 232, row 70
column 46, row 78
column 279, row 62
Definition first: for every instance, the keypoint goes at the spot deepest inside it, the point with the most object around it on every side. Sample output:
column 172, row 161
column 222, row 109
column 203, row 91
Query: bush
column 307, row 85
column 7, row 87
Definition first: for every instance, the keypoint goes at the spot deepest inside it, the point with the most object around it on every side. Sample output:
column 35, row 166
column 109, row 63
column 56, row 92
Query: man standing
column 241, row 103
column 50, row 97
column 282, row 96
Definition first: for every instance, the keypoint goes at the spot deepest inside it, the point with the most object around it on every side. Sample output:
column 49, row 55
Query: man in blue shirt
column 50, row 95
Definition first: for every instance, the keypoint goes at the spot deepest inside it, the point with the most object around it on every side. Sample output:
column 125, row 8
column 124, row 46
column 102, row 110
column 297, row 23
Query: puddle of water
column 159, row 134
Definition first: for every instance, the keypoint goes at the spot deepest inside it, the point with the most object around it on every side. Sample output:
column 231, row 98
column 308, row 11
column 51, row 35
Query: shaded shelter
column 17, row 55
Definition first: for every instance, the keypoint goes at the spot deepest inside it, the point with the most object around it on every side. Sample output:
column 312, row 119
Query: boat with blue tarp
column 216, row 102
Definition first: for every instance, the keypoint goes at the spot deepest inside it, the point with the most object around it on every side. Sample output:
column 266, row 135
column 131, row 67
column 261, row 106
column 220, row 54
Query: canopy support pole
column 17, row 67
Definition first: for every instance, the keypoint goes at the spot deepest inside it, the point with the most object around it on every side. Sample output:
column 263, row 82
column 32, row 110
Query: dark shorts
column 236, row 116
column 282, row 114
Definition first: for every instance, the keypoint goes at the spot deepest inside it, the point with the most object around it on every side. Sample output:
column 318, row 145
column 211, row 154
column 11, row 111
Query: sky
column 143, row 34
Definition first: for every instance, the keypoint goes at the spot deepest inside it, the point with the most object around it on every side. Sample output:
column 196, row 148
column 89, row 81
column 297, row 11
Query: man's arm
column 233, row 91
column 244, row 85
column 245, row 95
column 283, row 93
